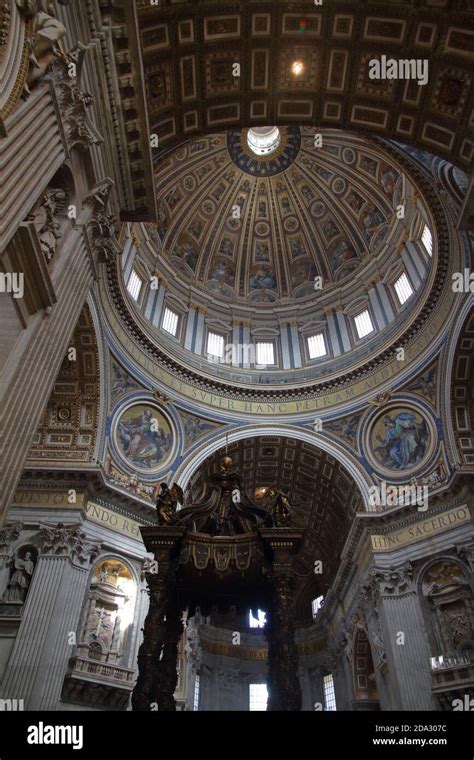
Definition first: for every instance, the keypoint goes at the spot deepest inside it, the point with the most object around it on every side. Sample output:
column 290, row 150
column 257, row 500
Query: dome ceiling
column 259, row 229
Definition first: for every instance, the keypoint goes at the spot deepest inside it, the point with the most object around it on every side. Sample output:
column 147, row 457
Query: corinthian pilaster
column 405, row 643
column 43, row 645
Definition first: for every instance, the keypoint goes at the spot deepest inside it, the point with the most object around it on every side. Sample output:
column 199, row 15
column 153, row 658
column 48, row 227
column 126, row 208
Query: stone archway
column 318, row 479
column 199, row 455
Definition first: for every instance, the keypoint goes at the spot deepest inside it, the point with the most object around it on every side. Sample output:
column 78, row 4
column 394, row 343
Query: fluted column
column 405, row 639
column 42, row 648
column 137, row 631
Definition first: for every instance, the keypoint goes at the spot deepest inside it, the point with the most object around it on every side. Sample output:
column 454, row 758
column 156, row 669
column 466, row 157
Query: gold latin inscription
column 113, row 520
column 424, row 529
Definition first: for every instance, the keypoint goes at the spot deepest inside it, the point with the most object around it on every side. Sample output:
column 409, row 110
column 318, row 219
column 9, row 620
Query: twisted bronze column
column 167, row 674
column 144, row 693
column 284, row 691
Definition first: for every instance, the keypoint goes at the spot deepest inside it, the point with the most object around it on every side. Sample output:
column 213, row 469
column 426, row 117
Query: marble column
column 40, row 655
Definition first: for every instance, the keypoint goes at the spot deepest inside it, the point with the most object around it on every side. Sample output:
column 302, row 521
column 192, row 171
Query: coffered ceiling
column 213, row 65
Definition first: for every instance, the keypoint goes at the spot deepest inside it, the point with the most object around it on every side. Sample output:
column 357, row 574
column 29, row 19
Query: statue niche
column 448, row 598
column 22, row 566
column 108, row 614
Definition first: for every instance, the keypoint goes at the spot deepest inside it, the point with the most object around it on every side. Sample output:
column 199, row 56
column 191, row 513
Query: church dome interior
column 272, row 245
column 258, row 230
column 236, row 365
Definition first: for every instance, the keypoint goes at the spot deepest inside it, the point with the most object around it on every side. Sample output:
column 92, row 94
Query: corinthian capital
column 394, row 581
column 9, row 533
column 67, row 540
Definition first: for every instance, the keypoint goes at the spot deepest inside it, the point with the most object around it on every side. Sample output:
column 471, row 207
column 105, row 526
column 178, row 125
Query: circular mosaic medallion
column 189, row 183
column 267, row 165
column 338, row 186
column 233, row 224
column 400, row 439
column 209, row 207
column 318, row 209
column 348, row 156
column 262, row 229
column 290, row 224
column 144, row 437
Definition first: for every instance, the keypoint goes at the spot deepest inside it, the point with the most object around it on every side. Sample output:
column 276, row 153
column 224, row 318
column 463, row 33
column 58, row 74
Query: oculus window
column 263, row 140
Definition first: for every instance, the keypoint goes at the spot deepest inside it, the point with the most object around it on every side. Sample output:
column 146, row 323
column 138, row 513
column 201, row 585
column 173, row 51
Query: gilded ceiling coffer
column 224, row 551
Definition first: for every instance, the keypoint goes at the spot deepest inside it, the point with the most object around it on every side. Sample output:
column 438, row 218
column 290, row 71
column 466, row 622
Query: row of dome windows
column 265, row 350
